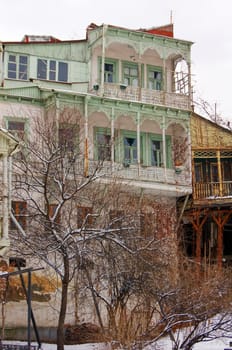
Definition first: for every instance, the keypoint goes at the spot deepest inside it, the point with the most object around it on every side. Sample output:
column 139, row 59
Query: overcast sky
column 208, row 23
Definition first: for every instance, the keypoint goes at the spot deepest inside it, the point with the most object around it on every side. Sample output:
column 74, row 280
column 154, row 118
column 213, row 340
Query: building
column 132, row 92
column 208, row 213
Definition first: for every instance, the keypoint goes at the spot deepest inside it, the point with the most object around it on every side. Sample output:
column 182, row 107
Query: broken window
column 19, row 209
column 154, row 78
column 130, row 150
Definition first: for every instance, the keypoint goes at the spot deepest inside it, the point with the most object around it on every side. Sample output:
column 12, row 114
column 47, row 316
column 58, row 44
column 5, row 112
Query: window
column 16, row 128
column 68, row 136
column 214, row 172
column 130, row 150
column 198, row 172
column 19, row 210
column 52, row 70
column 154, row 78
column 156, row 153
column 130, row 74
column 51, row 212
column 18, row 67
column 109, row 73
column 103, row 145
column 84, row 217
column 226, row 169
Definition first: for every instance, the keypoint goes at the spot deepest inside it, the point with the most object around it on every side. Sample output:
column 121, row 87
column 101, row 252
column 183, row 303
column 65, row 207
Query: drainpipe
column 1, row 64
column 104, row 28
column 5, row 206
column 164, row 149
column 86, row 158
column 138, row 141
column 164, row 82
column 190, row 94
column 112, row 137
column 57, row 115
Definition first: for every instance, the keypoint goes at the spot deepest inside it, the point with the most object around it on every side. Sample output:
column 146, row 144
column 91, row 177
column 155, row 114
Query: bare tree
column 196, row 309
column 211, row 112
column 67, row 208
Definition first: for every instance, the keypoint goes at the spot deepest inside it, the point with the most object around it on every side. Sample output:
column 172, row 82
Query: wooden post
column 198, row 223
column 220, row 217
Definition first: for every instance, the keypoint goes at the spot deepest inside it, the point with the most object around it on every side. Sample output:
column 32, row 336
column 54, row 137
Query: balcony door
column 214, row 179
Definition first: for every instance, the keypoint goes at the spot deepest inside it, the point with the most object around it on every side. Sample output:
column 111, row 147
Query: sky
column 207, row 23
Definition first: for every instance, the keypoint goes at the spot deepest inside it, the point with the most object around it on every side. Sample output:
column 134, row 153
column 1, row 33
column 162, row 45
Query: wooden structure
column 208, row 220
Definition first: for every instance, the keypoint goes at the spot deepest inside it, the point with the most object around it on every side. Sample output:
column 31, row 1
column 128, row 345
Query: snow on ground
column 219, row 344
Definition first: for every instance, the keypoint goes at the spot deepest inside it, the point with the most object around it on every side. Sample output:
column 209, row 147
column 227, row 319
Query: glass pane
column 42, row 69
column 63, row 71
column 126, row 70
column 103, row 147
column 127, row 154
column 129, row 141
column 12, row 58
column 12, row 70
column 134, row 154
column 134, row 72
column 126, row 81
column 150, row 85
column 15, row 125
column 22, row 72
column 52, row 75
column 158, row 75
column 52, row 65
column 23, row 59
column 109, row 67
column 158, row 85
column 135, row 82
column 198, row 173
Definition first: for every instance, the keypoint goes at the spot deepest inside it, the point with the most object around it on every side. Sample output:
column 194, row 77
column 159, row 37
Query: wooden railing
column 212, row 190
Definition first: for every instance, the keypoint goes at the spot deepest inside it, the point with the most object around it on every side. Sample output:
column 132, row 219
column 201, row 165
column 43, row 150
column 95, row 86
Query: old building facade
column 208, row 212
column 131, row 90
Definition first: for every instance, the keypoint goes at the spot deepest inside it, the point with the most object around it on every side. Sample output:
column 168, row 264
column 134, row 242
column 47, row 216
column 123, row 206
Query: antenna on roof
column 171, row 19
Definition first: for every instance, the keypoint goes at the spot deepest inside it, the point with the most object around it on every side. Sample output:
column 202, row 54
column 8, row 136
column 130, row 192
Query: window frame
column 84, row 214
column 146, row 149
column 157, row 84
column 104, row 132
column 51, row 211
column 44, row 73
column 21, row 135
column 115, row 70
column 19, row 72
column 130, row 135
column 20, row 215
column 127, row 79
column 198, row 172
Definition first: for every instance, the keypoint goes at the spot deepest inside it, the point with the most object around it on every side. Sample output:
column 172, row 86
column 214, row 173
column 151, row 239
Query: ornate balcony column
column 112, row 135
column 138, row 141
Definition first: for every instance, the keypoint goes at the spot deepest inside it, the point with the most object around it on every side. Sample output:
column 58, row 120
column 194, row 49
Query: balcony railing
column 135, row 172
column 154, row 97
column 212, row 190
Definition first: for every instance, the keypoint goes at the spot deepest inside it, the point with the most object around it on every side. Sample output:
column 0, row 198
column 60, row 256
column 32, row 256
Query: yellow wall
column 206, row 134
